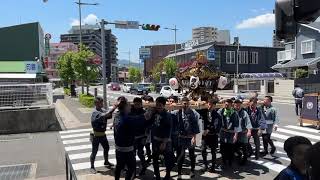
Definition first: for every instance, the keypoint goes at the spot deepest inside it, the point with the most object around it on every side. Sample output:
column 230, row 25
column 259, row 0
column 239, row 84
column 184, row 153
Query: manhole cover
column 13, row 137
column 16, row 172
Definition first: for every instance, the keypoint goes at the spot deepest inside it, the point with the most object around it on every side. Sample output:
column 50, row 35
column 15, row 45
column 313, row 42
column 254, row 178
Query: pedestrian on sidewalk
column 246, row 127
column 259, row 125
column 99, row 119
column 298, row 94
column 124, row 136
column 161, row 125
column 272, row 121
column 229, row 133
column 212, row 126
column 296, row 148
column 137, row 112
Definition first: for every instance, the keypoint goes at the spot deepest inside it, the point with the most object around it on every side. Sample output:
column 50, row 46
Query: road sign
column 211, row 54
column 127, row 24
column 144, row 53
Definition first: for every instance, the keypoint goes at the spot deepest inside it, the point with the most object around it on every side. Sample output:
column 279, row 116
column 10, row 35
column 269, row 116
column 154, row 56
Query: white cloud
column 75, row 22
column 90, row 19
column 258, row 10
column 264, row 20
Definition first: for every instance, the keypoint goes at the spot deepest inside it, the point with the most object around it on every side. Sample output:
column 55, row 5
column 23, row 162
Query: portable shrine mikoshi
column 310, row 113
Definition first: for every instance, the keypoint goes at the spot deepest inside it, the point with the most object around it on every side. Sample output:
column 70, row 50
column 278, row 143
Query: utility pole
column 80, row 19
column 175, row 39
column 104, row 72
column 237, row 66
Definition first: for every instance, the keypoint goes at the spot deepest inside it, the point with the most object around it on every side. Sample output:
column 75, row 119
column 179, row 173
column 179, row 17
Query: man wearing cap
column 245, row 126
column 229, row 132
column 99, row 124
column 188, row 128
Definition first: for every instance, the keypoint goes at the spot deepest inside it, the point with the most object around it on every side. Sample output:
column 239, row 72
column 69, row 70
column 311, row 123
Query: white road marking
column 295, row 133
column 270, row 165
column 75, row 131
column 81, row 135
column 87, row 154
column 80, row 147
column 303, row 129
column 75, row 141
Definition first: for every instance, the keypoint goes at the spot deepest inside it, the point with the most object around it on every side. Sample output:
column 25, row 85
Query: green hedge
column 67, row 91
column 86, row 100
column 153, row 88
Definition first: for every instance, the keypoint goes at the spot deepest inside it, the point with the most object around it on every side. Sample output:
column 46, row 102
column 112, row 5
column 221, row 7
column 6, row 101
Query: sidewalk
column 72, row 113
column 276, row 99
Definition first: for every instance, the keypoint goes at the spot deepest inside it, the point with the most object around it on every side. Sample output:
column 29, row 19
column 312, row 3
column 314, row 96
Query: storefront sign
column 310, row 108
column 190, row 44
column 211, row 54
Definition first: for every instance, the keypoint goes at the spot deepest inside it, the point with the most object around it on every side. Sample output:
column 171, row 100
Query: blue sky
column 251, row 20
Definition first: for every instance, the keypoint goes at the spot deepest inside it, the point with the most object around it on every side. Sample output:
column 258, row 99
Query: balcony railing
column 286, row 55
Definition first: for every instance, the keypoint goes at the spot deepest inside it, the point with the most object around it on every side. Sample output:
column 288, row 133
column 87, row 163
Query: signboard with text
column 190, row 44
column 31, row 67
column 144, row 53
column 127, row 24
column 211, row 54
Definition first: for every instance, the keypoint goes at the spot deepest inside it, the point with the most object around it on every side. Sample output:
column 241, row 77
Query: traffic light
column 150, row 27
column 288, row 13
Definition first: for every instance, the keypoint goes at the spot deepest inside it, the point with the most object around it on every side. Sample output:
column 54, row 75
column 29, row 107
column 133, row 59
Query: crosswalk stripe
column 86, row 165
column 75, row 131
column 80, row 147
column 87, row 154
column 295, row 133
column 270, row 165
column 82, row 140
column 303, row 129
column 81, row 135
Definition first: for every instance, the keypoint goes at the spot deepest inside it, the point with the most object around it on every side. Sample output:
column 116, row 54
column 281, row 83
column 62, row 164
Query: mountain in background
column 125, row 63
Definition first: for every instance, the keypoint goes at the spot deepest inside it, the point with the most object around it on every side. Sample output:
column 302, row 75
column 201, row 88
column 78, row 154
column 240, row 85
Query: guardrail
column 17, row 96
column 70, row 173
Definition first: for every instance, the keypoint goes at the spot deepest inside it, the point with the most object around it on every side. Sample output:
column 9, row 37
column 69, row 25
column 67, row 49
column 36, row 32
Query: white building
column 210, row 34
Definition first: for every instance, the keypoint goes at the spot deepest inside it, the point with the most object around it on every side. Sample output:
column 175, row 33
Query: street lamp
column 83, row 4
column 175, row 39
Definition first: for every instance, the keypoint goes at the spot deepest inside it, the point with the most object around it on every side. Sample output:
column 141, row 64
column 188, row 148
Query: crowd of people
column 169, row 134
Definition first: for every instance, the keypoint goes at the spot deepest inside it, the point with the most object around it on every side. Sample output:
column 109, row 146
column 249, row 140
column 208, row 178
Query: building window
column 230, row 57
column 254, row 58
column 243, row 57
column 307, row 46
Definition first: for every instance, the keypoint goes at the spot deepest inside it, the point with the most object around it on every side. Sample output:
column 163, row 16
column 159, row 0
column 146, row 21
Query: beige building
column 210, row 34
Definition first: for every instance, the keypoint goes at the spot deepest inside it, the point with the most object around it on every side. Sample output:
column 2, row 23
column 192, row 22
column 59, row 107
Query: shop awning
column 262, row 76
column 297, row 63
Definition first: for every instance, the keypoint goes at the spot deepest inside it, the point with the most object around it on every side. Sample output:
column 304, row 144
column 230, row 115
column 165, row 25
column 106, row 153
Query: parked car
column 139, row 89
column 115, row 87
column 126, row 87
column 167, row 91
column 147, row 86
column 158, row 87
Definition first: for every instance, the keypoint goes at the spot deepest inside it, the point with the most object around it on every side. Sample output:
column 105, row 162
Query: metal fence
column 16, row 96
column 70, row 173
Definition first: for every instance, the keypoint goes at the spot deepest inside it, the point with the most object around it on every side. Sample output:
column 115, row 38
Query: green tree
column 170, row 67
column 301, row 73
column 65, row 67
column 85, row 71
column 156, row 71
column 134, row 74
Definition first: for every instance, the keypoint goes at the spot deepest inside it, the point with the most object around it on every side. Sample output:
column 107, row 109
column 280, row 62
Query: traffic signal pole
column 104, row 71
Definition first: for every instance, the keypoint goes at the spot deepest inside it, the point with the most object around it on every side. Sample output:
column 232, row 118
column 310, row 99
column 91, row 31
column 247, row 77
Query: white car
column 167, row 91
column 126, row 87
